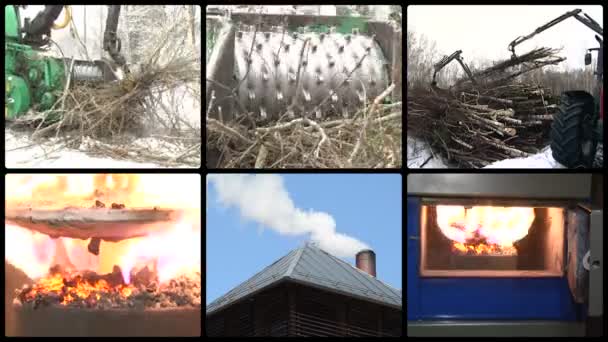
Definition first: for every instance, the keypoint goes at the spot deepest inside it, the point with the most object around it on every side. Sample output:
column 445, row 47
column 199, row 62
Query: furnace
column 467, row 240
column 504, row 255
column 113, row 255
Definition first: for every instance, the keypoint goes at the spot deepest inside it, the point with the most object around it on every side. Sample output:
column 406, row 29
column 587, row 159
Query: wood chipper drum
column 301, row 65
column 324, row 62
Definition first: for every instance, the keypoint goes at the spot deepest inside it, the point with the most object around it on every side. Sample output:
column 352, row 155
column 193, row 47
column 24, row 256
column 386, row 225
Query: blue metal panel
column 481, row 298
column 496, row 298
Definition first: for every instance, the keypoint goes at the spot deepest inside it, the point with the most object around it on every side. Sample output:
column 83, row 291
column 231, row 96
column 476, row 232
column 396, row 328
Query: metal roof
column 312, row 266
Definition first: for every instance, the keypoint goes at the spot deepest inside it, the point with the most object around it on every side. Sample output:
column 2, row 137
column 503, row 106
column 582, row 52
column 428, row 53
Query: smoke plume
column 264, row 199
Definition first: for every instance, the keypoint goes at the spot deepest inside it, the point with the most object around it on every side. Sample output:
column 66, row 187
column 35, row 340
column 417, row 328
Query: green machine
column 34, row 80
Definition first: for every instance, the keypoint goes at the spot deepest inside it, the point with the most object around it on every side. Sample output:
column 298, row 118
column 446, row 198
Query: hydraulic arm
column 111, row 42
column 38, row 31
column 584, row 18
column 447, row 59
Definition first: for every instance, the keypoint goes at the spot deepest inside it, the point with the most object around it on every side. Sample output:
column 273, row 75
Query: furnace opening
column 500, row 241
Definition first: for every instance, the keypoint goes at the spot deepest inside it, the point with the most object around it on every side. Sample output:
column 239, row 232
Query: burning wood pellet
column 99, row 204
column 482, row 230
column 118, row 206
column 483, row 249
column 91, row 290
column 94, row 246
column 479, row 245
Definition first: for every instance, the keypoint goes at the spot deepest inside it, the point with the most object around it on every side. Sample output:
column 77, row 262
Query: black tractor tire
column 572, row 140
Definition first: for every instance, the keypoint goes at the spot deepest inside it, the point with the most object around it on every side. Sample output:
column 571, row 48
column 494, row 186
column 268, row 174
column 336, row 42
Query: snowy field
column 419, row 155
column 22, row 152
column 418, row 152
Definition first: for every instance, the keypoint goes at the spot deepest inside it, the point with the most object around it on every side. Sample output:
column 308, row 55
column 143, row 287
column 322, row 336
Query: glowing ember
column 65, row 289
column 484, row 249
column 90, row 290
column 484, row 229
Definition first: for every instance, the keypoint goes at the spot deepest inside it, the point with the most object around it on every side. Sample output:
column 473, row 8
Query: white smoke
column 264, row 199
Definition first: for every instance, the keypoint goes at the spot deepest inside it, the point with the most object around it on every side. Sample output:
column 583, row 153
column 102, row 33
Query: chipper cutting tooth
column 279, row 72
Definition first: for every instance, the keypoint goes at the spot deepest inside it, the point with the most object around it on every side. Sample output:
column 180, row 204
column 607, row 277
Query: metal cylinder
column 87, row 72
column 328, row 73
column 366, row 261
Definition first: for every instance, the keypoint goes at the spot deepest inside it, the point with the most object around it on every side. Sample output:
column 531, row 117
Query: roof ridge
column 294, row 262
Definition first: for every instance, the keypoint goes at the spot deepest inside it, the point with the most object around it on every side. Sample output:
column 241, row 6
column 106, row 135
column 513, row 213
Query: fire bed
column 66, row 302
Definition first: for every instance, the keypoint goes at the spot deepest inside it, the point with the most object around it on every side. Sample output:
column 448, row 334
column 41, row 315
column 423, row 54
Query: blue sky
column 366, row 208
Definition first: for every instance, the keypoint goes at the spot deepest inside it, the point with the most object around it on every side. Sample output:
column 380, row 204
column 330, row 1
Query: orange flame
column 81, row 190
column 31, row 252
column 174, row 251
column 81, row 289
column 500, row 226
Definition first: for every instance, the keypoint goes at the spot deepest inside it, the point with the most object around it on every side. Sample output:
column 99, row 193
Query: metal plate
column 596, row 261
column 525, row 186
column 577, row 224
column 220, row 68
column 84, row 223
column 495, row 328
column 51, row 321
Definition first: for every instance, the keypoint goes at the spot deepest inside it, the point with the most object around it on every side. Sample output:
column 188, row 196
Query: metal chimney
column 366, row 261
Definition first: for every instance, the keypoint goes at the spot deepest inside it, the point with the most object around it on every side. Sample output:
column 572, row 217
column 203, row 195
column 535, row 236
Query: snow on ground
column 21, row 152
column 418, row 152
column 542, row 160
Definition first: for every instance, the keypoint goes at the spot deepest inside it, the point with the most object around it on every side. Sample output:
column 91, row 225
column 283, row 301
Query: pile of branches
column 370, row 139
column 495, row 118
column 106, row 110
